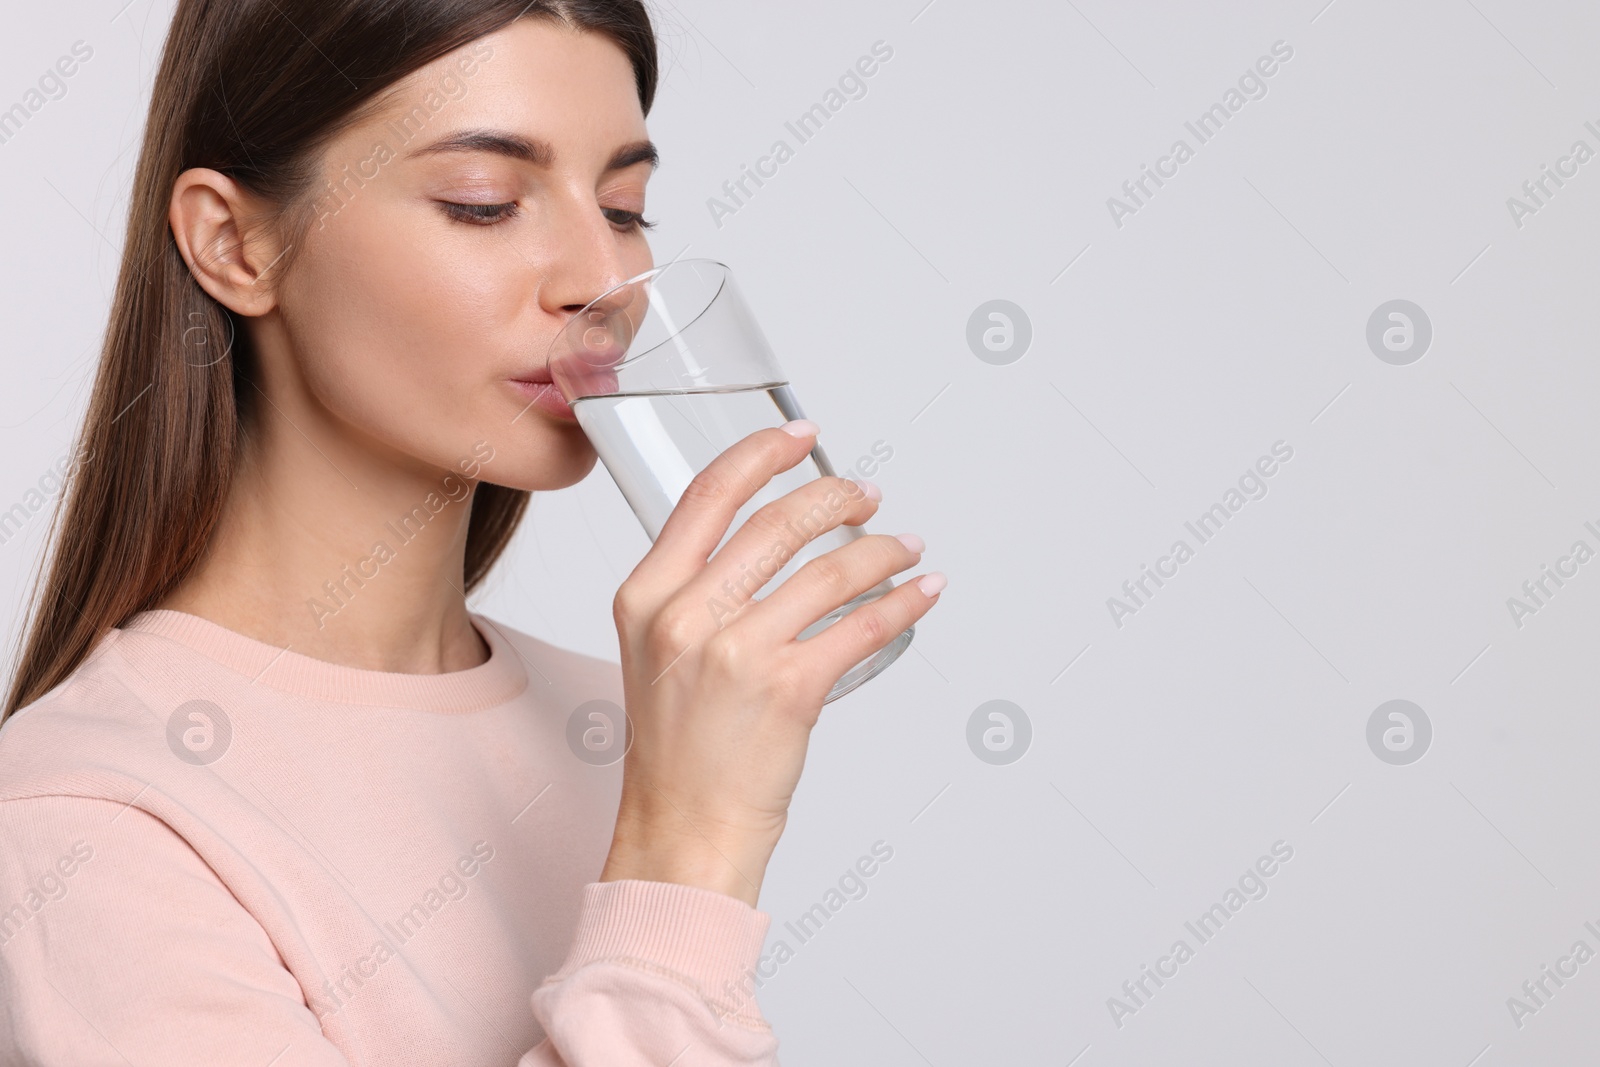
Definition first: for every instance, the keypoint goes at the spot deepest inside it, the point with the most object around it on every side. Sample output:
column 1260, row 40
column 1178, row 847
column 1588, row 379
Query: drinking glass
column 666, row 371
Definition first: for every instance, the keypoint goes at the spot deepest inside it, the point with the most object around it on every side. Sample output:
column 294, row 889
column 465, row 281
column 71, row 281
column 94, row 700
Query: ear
column 217, row 225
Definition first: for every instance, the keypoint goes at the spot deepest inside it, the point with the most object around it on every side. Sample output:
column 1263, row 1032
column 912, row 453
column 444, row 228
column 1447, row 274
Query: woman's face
column 496, row 192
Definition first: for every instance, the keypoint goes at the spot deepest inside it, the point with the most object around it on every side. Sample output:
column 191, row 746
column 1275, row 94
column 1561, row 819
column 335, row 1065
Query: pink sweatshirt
column 215, row 851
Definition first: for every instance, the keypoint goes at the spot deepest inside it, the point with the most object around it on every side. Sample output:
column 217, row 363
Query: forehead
column 536, row 77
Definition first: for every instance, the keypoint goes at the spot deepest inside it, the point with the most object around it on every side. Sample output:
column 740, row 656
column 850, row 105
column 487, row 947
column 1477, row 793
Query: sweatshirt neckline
column 493, row 682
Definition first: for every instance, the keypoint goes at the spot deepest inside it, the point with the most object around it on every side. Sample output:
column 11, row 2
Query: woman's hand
column 722, row 705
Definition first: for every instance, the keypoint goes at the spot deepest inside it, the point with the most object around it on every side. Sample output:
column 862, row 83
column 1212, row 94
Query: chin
column 565, row 459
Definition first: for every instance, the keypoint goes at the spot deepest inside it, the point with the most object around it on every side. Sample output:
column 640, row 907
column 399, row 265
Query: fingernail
column 931, row 583
column 912, row 541
column 800, row 428
column 869, row 488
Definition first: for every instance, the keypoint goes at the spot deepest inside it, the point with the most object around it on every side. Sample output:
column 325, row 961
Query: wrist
column 676, row 850
column 681, row 867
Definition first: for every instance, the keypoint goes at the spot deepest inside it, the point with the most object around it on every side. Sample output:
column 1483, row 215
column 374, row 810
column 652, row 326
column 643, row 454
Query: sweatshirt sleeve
column 119, row 944
column 657, row 973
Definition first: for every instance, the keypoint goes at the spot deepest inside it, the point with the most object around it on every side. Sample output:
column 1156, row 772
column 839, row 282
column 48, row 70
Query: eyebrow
column 532, row 150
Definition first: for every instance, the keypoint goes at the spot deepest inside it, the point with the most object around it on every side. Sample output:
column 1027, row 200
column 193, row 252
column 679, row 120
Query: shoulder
column 89, row 736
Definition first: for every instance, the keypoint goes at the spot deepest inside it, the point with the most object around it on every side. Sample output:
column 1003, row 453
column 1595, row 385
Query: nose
column 586, row 259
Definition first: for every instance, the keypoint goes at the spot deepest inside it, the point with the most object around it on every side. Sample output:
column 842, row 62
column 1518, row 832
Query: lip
column 542, row 394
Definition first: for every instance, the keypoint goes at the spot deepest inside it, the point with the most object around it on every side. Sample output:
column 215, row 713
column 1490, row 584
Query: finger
column 827, row 583
column 765, row 542
column 867, row 629
column 714, row 496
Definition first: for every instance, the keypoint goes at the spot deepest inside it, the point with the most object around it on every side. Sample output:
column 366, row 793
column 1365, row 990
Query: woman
column 271, row 793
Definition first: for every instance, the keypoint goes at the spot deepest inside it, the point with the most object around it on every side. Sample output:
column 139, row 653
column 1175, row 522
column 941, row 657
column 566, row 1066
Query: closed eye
column 479, row 214
column 628, row 220
column 488, row 214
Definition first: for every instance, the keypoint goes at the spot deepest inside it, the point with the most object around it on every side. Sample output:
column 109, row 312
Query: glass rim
column 726, row 273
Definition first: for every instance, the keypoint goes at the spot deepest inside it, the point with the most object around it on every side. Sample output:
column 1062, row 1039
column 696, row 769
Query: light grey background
column 1167, row 354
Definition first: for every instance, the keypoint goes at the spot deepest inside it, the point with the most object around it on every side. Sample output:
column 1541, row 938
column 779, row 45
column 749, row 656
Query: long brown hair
column 251, row 88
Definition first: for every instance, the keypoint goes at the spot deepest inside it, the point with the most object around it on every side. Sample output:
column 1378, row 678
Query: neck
column 343, row 551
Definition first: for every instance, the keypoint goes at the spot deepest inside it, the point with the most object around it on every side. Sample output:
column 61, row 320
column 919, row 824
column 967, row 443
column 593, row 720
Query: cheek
column 407, row 330
column 390, row 322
